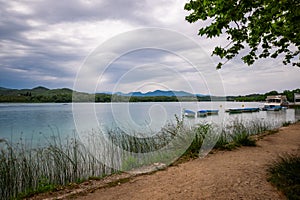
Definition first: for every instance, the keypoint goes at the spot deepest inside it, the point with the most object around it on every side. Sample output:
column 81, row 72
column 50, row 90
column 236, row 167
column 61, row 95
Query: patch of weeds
column 118, row 182
column 285, row 175
column 222, row 142
column 271, row 132
column 243, row 139
column 44, row 186
column 230, row 146
column 285, row 124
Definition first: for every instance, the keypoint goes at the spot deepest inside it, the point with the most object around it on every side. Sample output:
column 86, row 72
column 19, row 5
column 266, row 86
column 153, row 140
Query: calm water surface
column 37, row 121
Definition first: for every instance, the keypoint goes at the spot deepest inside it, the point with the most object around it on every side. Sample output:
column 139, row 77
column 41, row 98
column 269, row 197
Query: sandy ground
column 238, row 174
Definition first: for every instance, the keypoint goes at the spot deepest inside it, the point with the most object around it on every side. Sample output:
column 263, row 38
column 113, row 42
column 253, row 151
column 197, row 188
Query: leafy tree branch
column 268, row 28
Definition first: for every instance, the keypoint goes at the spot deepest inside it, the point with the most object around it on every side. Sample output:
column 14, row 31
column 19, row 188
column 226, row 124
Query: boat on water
column 204, row 113
column 297, row 99
column 275, row 103
column 250, row 110
column 189, row 113
column 234, row 110
column 212, row 112
column 242, row 110
column 296, row 103
column 272, row 108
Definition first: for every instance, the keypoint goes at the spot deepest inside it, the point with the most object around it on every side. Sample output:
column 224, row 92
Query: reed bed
column 25, row 171
column 238, row 133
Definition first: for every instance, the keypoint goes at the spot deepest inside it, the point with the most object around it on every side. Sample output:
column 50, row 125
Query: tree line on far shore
column 65, row 95
column 262, row 97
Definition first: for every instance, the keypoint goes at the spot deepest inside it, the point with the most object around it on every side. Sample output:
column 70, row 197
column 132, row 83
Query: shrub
column 285, row 175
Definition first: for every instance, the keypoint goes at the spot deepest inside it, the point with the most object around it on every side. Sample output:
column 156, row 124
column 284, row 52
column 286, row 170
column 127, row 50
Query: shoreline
column 243, row 175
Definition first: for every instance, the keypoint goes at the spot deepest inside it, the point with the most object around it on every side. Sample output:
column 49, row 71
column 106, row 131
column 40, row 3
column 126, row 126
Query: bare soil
column 237, row 174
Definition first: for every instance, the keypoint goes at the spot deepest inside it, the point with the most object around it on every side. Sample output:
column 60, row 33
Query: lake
column 38, row 121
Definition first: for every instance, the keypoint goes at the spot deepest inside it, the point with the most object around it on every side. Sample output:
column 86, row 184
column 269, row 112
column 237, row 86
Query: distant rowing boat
column 250, row 109
column 212, row 112
column 234, row 110
column 242, row 110
column 189, row 113
column 201, row 113
column 204, row 113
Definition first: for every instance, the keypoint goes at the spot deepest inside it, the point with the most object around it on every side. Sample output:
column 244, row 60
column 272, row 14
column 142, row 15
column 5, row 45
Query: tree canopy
column 269, row 28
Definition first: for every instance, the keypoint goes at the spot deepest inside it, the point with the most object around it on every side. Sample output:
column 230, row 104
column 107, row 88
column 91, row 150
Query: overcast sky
column 117, row 45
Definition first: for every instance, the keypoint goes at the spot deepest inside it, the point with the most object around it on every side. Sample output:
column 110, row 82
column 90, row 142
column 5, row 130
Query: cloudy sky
column 122, row 45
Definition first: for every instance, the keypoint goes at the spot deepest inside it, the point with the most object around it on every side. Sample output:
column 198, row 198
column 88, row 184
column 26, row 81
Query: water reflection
column 50, row 119
column 297, row 114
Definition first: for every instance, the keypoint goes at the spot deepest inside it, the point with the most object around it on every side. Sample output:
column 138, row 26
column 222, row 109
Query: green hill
column 37, row 94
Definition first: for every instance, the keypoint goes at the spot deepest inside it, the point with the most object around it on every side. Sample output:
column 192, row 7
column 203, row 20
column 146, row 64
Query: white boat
column 275, row 102
column 202, row 113
column 297, row 99
column 189, row 113
column 272, row 108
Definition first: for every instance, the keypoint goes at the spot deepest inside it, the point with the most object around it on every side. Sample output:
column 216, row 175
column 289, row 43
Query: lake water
column 37, row 121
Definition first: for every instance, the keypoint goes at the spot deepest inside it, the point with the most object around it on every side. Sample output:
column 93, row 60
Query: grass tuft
column 285, row 175
column 243, row 139
column 285, row 124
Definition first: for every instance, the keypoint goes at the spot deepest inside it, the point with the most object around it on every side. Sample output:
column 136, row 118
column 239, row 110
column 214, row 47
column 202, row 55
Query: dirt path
column 238, row 174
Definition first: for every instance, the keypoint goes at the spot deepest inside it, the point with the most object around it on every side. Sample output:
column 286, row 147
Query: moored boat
column 212, row 112
column 202, row 113
column 250, row 110
column 275, row 103
column 242, row 110
column 234, row 110
column 189, row 113
column 272, row 108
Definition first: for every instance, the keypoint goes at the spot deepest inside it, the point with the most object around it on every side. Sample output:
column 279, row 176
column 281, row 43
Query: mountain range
column 157, row 93
column 43, row 94
column 44, row 90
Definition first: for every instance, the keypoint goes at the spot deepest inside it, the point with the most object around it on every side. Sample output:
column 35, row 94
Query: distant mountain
column 202, row 95
column 40, row 89
column 42, row 94
column 2, row 88
column 156, row 93
column 37, row 91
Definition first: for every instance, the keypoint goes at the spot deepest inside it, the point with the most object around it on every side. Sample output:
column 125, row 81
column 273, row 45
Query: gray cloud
column 27, row 41
column 46, row 42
